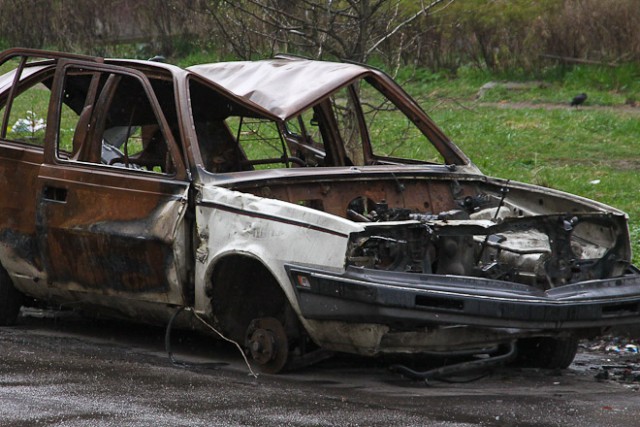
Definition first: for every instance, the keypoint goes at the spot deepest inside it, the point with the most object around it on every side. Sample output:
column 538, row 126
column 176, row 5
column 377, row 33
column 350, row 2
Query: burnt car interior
column 232, row 138
column 116, row 123
column 106, row 118
column 336, row 131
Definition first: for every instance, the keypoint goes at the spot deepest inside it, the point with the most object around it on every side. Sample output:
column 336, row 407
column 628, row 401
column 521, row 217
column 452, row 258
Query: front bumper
column 406, row 301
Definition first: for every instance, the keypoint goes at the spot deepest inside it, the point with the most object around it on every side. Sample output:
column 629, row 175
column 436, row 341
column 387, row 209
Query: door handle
column 55, row 194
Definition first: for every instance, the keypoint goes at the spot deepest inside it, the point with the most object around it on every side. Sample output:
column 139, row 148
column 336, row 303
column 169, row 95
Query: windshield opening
column 356, row 125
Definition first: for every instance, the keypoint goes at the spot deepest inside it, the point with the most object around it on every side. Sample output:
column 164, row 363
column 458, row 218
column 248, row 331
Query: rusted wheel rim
column 267, row 344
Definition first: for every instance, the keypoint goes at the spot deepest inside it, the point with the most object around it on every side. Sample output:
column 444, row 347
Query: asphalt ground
column 59, row 369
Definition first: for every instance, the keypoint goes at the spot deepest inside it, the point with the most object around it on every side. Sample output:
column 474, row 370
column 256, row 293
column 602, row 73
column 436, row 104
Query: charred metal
column 540, row 251
column 270, row 199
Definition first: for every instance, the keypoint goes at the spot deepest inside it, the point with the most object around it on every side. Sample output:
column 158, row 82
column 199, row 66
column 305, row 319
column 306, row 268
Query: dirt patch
column 624, row 109
column 618, row 164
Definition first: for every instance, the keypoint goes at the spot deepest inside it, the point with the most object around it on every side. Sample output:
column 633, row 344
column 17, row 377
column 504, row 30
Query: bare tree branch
column 406, row 22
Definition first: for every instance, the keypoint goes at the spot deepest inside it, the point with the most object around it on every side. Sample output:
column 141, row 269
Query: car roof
column 6, row 80
column 282, row 86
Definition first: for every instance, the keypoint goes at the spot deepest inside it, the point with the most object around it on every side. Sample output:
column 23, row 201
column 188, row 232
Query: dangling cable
column 244, row 356
column 167, row 339
column 167, row 343
column 444, row 372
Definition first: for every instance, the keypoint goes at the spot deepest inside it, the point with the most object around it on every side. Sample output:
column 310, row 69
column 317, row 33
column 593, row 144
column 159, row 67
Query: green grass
column 533, row 136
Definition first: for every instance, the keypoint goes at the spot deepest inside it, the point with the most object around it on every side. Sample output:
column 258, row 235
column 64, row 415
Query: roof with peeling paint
column 282, row 86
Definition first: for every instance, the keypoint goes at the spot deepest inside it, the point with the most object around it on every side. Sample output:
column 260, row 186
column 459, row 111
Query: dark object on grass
column 578, row 99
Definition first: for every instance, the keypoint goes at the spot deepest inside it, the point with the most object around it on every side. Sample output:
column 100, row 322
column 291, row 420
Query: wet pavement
column 63, row 370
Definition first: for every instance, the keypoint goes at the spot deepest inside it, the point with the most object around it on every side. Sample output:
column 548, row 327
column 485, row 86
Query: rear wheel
column 10, row 300
column 546, row 352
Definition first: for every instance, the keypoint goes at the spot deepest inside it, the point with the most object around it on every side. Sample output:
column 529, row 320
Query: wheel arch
column 240, row 287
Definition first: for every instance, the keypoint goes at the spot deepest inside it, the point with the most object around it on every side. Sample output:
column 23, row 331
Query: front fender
column 270, row 231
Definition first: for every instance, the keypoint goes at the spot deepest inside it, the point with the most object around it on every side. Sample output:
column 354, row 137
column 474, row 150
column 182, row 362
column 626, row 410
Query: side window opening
column 243, row 143
column 232, row 138
column 218, row 147
column 114, row 123
column 262, row 142
column 27, row 121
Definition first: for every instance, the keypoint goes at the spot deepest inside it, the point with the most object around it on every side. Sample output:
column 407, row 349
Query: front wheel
column 10, row 300
column 267, row 343
column 546, row 352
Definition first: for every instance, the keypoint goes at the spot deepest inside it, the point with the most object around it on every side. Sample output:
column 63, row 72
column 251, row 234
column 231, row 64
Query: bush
column 514, row 36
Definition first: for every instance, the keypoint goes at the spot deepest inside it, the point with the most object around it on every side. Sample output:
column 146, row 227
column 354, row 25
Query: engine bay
column 499, row 231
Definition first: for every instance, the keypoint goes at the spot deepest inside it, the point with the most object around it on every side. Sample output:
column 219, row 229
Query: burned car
column 297, row 206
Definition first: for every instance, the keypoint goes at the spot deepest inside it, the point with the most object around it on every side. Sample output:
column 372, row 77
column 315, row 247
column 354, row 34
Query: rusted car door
column 113, row 189
column 21, row 154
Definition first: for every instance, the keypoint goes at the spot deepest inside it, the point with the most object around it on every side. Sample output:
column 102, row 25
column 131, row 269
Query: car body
column 298, row 206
